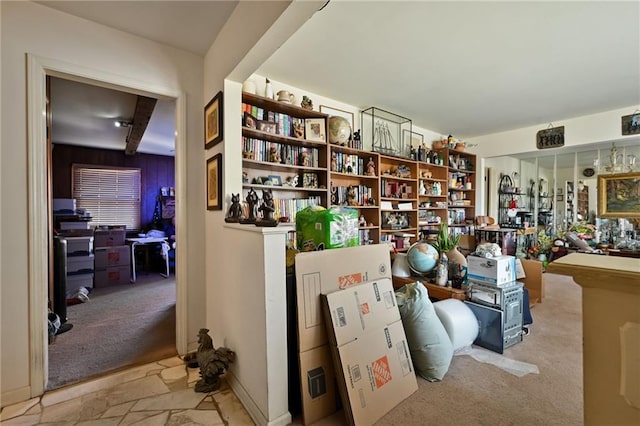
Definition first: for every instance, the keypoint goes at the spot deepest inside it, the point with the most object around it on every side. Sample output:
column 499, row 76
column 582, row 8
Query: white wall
column 244, row 275
column 30, row 28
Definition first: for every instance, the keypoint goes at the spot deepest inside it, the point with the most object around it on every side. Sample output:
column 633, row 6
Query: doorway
column 39, row 69
column 108, row 323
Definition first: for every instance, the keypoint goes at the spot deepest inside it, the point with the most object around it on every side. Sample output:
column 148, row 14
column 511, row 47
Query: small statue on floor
column 235, row 210
column 212, row 362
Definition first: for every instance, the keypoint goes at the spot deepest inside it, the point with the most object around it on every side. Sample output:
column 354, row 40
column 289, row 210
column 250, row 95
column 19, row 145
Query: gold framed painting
column 213, row 121
column 619, row 195
column 214, row 182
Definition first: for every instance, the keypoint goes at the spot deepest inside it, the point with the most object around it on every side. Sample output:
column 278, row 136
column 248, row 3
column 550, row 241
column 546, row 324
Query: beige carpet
column 474, row 393
column 120, row 326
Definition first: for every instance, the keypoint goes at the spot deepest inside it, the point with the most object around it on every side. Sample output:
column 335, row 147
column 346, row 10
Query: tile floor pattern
column 160, row 393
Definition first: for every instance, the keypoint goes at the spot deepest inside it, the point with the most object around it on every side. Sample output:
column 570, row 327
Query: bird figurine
column 306, row 103
column 212, row 362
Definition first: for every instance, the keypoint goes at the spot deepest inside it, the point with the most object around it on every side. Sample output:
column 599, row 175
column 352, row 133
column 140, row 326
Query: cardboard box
column 109, row 238
column 323, row 272
column 319, row 273
column 494, row 270
column 112, row 276
column 375, row 373
column 533, row 280
column 357, row 310
column 112, row 256
column 318, row 384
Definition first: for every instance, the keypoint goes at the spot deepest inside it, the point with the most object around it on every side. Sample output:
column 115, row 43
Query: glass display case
column 386, row 132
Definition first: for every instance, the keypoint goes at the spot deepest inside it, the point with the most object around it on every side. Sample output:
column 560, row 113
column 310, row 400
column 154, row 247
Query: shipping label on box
column 323, row 272
column 356, row 310
column 494, row 270
column 375, row 373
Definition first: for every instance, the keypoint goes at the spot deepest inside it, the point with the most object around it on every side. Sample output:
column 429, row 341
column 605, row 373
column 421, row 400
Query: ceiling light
column 123, row 123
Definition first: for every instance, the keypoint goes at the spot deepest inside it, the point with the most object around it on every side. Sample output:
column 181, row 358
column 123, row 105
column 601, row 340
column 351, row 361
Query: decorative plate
column 588, row 172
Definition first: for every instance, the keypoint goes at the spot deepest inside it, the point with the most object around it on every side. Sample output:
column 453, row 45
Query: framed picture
column 214, row 182
column 315, row 129
column 213, row 121
column 619, row 195
column 268, row 126
column 412, row 139
column 275, row 180
column 249, row 121
column 338, row 113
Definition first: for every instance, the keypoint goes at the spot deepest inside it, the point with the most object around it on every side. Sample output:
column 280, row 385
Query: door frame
column 38, row 68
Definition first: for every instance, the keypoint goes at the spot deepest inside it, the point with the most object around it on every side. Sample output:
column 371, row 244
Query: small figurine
column 362, row 222
column 297, row 130
column 351, row 196
column 235, row 210
column 371, row 167
column 306, row 103
column 305, row 160
column 274, row 155
column 357, row 140
column 291, row 181
column 267, row 208
column 252, row 201
column 426, row 174
column 245, row 177
column 334, row 162
column 268, row 89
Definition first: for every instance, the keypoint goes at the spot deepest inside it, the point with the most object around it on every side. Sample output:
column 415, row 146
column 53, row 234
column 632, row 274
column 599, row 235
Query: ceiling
column 461, row 68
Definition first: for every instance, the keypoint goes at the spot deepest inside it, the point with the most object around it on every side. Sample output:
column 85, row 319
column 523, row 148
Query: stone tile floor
column 160, row 393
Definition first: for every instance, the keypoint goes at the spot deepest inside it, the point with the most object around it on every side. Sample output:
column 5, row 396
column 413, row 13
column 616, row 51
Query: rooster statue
column 212, row 362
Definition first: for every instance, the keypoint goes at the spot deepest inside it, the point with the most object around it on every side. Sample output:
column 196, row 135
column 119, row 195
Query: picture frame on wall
column 315, row 129
column 335, row 112
column 213, row 121
column 619, row 195
column 412, row 139
column 214, row 182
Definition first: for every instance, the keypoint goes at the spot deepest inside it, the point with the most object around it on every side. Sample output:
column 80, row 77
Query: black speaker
column 60, row 278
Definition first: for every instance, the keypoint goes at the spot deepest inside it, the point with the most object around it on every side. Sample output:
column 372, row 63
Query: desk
column 134, row 242
column 610, row 326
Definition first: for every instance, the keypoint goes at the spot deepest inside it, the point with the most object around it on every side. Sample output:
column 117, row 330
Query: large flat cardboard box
column 494, row 270
column 375, row 373
column 323, row 272
column 318, row 385
column 112, row 256
column 357, row 310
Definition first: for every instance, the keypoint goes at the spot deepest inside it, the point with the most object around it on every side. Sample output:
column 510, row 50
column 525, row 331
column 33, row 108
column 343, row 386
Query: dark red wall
column 156, row 171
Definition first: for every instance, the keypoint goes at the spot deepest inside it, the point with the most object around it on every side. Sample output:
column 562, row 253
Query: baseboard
column 15, row 396
column 254, row 411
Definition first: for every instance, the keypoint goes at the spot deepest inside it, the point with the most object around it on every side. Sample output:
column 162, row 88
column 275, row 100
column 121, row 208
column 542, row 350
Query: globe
column 339, row 130
column 422, row 257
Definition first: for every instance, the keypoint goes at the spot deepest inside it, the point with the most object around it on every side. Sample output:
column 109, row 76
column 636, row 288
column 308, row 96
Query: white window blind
column 111, row 195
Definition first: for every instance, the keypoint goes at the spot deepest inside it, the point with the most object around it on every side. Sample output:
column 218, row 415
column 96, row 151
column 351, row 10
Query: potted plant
column 457, row 268
column 445, row 242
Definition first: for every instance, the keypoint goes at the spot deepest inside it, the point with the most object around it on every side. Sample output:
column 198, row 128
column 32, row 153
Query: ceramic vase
column 457, row 268
column 442, row 272
column 400, row 266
